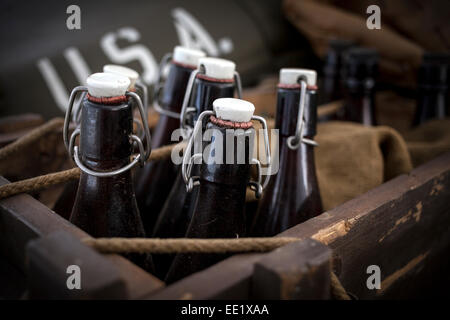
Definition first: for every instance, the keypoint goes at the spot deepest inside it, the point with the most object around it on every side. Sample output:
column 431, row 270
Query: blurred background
column 41, row 60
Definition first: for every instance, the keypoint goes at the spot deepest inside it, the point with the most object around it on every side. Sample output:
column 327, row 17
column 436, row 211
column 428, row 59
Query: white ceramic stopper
column 187, row 56
column 290, row 76
column 107, row 85
column 231, row 109
column 217, row 68
column 123, row 71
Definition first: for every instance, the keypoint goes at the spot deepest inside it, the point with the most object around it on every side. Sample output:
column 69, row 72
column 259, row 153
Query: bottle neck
column 227, row 158
column 172, row 100
column 359, row 103
column 296, row 161
column 175, row 87
column 288, row 101
column 105, row 134
column 432, row 103
column 206, row 91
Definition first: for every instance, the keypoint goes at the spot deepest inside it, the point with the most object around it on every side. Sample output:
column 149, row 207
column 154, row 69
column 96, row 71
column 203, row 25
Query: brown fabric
column 352, row 159
column 422, row 21
column 428, row 141
column 319, row 22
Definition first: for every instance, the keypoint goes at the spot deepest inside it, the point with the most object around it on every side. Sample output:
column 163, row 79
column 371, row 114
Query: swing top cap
column 123, row 71
column 217, row 68
column 107, row 85
column 187, row 56
column 290, row 76
column 232, row 109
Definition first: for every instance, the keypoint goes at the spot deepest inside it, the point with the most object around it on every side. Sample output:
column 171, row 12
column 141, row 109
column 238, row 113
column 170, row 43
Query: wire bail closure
column 188, row 159
column 73, row 150
column 76, row 118
column 293, row 142
column 185, row 110
column 166, row 59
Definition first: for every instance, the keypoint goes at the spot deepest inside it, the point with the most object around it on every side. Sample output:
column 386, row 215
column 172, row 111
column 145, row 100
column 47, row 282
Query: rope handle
column 141, row 245
column 184, row 245
column 48, row 180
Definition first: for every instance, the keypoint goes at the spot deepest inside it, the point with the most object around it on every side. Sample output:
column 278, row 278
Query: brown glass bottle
column 292, row 195
column 155, row 180
column 331, row 88
column 106, row 206
column 177, row 211
column 65, row 202
column 433, row 82
column 219, row 212
column 359, row 80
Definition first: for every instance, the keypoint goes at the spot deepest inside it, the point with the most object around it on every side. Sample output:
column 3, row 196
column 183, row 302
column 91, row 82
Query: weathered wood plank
column 390, row 226
column 300, row 270
column 23, row 218
column 49, row 275
column 400, row 227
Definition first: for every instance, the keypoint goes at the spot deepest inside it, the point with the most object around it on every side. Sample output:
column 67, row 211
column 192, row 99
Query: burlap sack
column 320, row 21
column 352, row 159
column 428, row 141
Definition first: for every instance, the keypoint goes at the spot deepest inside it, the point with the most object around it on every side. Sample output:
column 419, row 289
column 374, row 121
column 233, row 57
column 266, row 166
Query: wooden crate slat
column 355, row 232
column 49, row 275
column 300, row 270
column 23, row 218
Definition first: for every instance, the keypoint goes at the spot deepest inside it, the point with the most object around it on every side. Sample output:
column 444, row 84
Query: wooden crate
column 401, row 226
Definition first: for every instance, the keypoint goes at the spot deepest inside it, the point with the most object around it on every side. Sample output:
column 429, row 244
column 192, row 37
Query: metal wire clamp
column 293, row 142
column 74, row 152
column 188, row 159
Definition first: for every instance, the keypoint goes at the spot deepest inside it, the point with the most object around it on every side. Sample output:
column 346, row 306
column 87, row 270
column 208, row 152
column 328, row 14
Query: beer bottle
column 64, row 204
column 433, row 82
column 223, row 179
column 154, row 181
column 331, row 89
column 292, row 195
column 359, row 79
column 105, row 204
column 215, row 78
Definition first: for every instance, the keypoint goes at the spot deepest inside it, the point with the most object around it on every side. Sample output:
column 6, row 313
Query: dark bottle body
column 175, row 215
column 177, row 211
column 359, row 104
column 219, row 212
column 360, row 68
column 292, row 195
column 106, row 206
column 63, row 206
column 331, row 86
column 155, row 180
column 433, row 83
column 431, row 104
